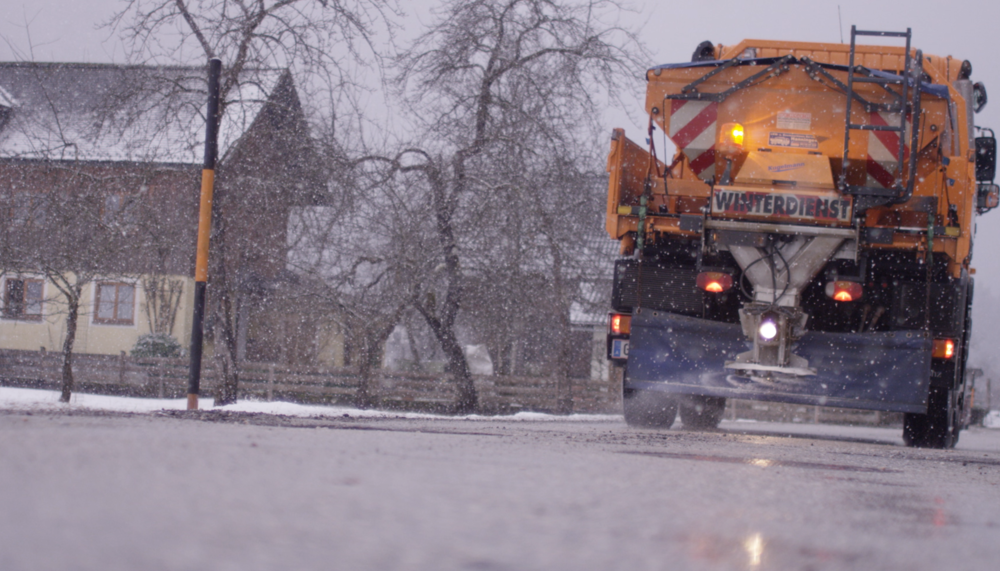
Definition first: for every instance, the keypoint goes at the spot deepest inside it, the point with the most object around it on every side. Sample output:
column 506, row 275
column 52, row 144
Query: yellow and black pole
column 204, row 230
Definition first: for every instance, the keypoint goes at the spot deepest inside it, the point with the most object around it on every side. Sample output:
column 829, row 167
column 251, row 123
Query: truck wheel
column 701, row 412
column 649, row 409
column 939, row 427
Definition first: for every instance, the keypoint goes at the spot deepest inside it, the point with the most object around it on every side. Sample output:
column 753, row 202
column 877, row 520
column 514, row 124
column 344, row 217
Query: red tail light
column 715, row 282
column 943, row 349
column 843, row 290
column 621, row 324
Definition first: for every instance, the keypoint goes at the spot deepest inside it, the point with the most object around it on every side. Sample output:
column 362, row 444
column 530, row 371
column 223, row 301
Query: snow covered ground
column 30, row 399
column 22, row 399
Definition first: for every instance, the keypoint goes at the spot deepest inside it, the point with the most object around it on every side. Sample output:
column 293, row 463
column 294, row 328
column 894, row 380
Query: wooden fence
column 167, row 378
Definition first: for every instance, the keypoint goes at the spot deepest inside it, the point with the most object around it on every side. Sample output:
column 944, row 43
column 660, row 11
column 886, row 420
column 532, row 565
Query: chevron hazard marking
column 692, row 128
column 883, row 150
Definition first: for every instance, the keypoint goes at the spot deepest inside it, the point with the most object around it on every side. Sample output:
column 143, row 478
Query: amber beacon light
column 731, row 139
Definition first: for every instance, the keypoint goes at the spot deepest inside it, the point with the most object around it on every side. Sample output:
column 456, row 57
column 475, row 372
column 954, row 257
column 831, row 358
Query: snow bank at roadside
column 32, row 399
column 992, row 419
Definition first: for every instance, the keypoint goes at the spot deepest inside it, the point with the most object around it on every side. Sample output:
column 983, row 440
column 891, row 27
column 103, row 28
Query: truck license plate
column 619, row 348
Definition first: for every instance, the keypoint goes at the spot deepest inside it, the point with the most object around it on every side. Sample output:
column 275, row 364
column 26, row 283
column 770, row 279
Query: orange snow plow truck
column 811, row 240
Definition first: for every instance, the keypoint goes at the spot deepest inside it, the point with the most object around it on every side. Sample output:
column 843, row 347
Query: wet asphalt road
column 216, row 491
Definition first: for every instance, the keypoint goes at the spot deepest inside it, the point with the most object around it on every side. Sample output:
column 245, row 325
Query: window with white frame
column 114, row 304
column 22, row 299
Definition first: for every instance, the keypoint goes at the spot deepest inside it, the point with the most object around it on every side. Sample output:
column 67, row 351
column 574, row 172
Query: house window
column 119, row 210
column 22, row 299
column 115, row 304
column 28, row 208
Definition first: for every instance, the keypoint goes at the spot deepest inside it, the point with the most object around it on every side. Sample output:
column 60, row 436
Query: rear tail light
column 621, row 324
column 714, row 282
column 843, row 290
column 943, row 349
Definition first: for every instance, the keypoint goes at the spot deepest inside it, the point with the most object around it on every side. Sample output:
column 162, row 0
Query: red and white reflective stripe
column 692, row 129
column 883, row 149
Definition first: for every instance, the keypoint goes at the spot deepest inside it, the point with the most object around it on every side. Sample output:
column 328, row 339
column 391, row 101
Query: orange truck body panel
column 793, row 141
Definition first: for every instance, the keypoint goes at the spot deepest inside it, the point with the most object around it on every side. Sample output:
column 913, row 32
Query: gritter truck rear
column 811, row 240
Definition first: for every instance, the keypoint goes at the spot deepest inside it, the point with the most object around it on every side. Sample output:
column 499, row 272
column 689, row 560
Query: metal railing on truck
column 909, row 87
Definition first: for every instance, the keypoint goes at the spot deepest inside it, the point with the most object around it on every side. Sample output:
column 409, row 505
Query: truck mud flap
column 874, row 371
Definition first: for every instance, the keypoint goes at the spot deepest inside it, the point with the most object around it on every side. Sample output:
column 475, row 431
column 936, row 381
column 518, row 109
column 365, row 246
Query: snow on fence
column 167, row 378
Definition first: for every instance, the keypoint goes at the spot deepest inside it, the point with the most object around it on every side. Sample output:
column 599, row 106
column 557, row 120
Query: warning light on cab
column 731, row 139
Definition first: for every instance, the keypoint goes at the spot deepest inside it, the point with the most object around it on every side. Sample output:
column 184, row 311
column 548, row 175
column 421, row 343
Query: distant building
column 100, row 171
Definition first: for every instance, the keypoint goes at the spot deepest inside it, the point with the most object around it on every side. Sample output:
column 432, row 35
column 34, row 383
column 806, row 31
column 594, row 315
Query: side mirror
column 986, row 158
column 987, row 197
column 978, row 96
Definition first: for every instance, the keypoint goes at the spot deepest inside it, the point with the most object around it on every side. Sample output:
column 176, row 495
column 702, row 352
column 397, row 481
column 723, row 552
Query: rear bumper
column 874, row 371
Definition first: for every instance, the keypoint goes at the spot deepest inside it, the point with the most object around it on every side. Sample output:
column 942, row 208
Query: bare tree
column 361, row 255
column 69, row 233
column 536, row 257
column 323, row 41
column 567, row 216
column 491, row 82
column 163, row 299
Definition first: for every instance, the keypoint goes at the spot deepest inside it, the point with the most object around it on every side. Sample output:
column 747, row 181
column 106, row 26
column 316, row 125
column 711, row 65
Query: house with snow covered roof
column 100, row 174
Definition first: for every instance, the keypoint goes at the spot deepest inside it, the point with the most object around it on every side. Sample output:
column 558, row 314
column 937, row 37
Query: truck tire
column 938, row 428
column 649, row 409
column 701, row 412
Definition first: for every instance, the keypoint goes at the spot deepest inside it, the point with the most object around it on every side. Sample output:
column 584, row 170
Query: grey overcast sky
column 66, row 30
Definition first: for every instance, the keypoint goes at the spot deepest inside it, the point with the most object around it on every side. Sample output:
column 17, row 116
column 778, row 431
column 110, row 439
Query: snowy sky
column 66, row 30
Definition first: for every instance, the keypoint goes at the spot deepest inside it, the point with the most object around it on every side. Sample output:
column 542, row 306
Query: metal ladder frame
column 912, row 72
